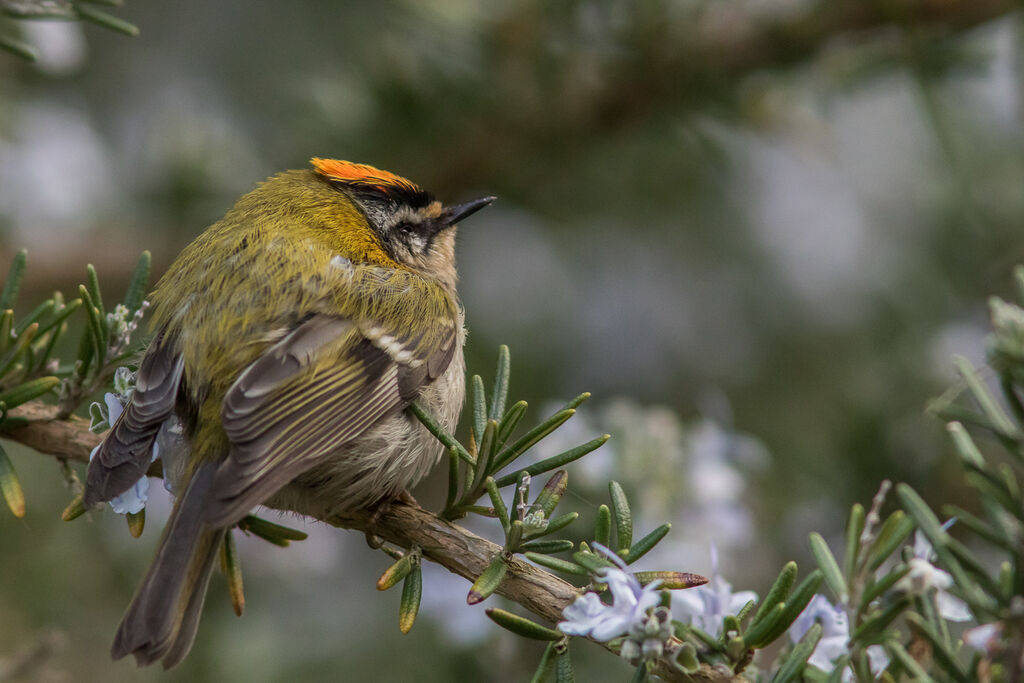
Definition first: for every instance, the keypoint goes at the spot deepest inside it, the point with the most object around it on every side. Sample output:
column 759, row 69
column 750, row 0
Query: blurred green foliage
column 797, row 206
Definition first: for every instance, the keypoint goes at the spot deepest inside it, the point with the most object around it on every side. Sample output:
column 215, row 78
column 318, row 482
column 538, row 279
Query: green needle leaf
column 107, row 21
column 549, row 496
column 546, row 665
column 511, row 420
column 554, row 462
column 28, row 391
column 501, row 375
column 895, row 530
column 556, row 564
column 74, row 510
column 547, row 546
column 268, row 531
column 829, row 567
column 757, row 635
column 522, row 626
column 778, row 592
column 603, row 526
column 10, row 291
column 479, row 407
column 136, row 293
column 10, row 487
column 231, row 565
column 563, row 670
column 499, row 505
column 797, row 659
column 438, row 431
column 412, row 593
column 644, row 545
column 136, row 522
column 623, row 517
column 488, row 582
column 396, row 572
column 854, row 528
column 672, row 580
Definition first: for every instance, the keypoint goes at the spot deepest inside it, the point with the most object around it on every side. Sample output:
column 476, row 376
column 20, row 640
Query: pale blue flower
column 588, row 616
column 705, row 606
column 835, row 636
column 924, row 576
column 134, row 499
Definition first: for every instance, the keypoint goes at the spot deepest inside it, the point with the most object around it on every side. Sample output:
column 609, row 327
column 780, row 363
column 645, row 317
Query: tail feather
column 161, row 620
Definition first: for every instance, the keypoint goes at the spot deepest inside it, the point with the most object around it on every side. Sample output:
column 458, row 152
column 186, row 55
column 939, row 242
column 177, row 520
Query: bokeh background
column 757, row 231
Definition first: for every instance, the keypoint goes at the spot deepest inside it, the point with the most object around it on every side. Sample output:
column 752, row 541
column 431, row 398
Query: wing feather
column 318, row 388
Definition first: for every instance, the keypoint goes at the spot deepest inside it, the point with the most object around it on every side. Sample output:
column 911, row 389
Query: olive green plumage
column 289, row 338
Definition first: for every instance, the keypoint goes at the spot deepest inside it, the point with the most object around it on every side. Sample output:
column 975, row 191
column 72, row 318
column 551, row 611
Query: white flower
column 706, row 605
column 835, row 636
column 134, row 499
column 925, row 576
column 588, row 616
column 984, row 638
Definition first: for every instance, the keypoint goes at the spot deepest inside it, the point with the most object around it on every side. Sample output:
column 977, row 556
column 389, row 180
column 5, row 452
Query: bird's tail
column 162, row 618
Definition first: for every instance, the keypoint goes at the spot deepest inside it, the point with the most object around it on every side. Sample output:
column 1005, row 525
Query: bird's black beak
column 454, row 214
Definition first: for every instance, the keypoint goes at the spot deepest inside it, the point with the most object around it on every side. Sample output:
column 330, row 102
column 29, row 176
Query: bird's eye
column 406, row 229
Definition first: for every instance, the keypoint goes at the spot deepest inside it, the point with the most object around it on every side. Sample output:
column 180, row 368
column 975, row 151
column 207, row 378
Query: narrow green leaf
column 107, row 21
column 488, row 582
column 644, row 545
column 17, row 272
column 397, row 571
column 915, row 671
column 555, row 461
column 964, row 445
column 829, row 567
column 18, row 48
column 877, row 587
column 603, row 526
column 93, row 284
column 755, row 635
column 687, row 659
column 895, row 530
column 268, row 531
column 522, row 626
column 511, row 420
column 501, row 375
column 231, row 565
column 95, row 327
column 438, row 431
column 575, row 403
column 546, row 665
column 872, row 627
column 1000, row 420
column 137, row 286
column 514, row 536
column 10, row 487
column 778, row 592
column 854, row 528
column 941, row 650
column 593, row 562
column 939, row 538
column 412, row 593
column 563, row 669
column 528, row 440
column 6, row 323
column 640, row 674
column 671, row 581
column 555, row 563
column 484, row 455
column 979, row 526
column 74, row 510
column 499, row 505
column 40, row 311
column 547, row 546
column 623, row 517
column 60, row 316
column 797, row 659
column 549, row 496
column 479, row 408
column 796, row 603
column 453, row 479
column 136, row 522
column 29, row 390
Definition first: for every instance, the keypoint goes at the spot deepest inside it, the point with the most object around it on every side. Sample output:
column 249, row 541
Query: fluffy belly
column 392, row 456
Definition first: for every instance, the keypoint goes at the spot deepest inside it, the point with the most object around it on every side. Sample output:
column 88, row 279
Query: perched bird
column 289, row 338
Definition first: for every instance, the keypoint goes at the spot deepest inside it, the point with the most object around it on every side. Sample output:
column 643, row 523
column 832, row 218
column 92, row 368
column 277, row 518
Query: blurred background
column 756, row 231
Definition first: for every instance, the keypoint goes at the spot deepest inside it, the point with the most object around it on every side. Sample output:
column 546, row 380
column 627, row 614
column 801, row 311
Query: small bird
column 289, row 339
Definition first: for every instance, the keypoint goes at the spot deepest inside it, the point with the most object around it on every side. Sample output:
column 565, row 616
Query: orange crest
column 363, row 175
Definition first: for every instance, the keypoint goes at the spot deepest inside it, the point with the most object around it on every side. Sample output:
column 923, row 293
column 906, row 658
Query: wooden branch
column 458, row 550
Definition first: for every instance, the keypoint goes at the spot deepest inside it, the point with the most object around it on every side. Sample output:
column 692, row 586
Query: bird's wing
column 323, row 384
column 124, row 455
